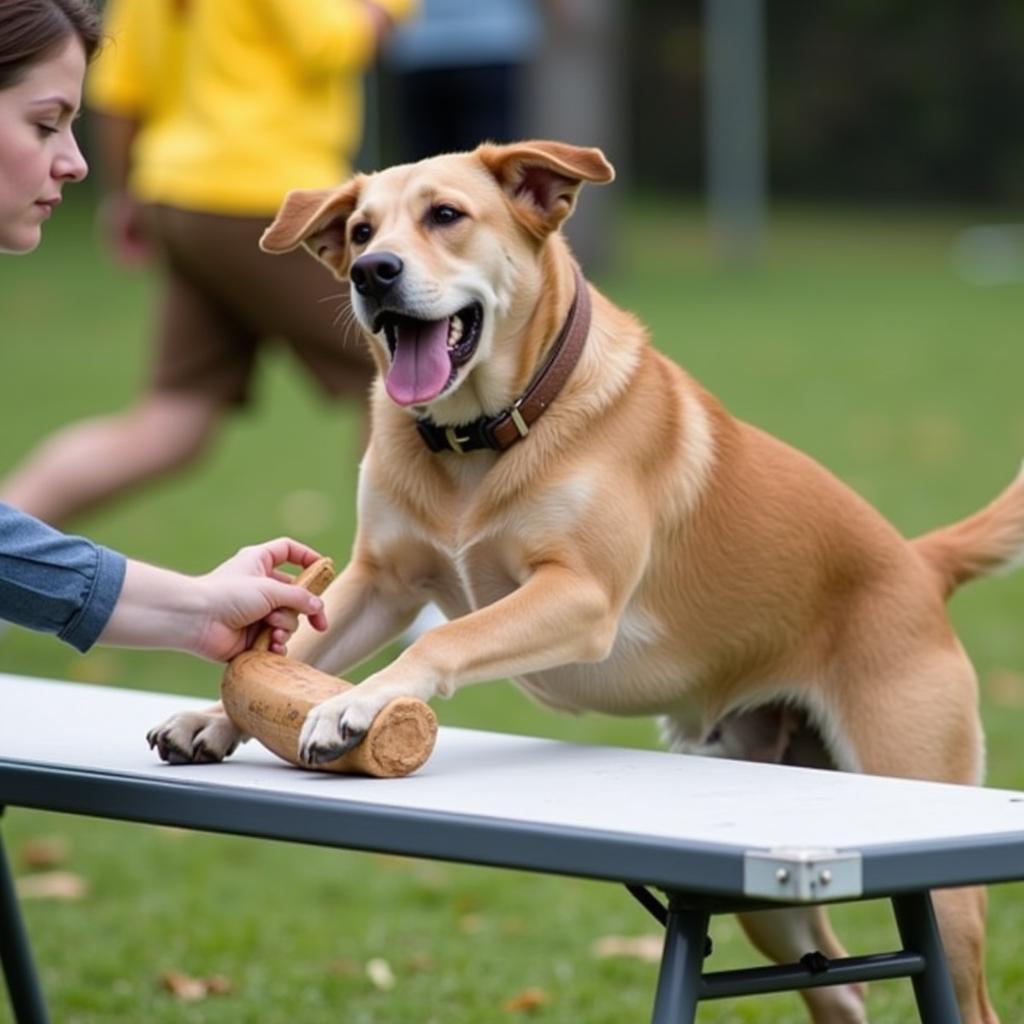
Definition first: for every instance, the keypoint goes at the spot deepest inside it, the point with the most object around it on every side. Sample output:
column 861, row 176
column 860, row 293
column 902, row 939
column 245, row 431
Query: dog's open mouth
column 426, row 354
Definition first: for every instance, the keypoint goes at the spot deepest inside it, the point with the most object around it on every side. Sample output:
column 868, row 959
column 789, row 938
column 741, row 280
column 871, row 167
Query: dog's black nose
column 374, row 273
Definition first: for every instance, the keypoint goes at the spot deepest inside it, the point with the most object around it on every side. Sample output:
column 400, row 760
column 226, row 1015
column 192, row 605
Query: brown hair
column 32, row 30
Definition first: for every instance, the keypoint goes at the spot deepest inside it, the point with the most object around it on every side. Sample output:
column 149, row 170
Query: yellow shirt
column 237, row 100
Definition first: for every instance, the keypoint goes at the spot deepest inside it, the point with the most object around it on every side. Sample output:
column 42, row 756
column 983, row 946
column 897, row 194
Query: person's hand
column 248, row 592
column 122, row 220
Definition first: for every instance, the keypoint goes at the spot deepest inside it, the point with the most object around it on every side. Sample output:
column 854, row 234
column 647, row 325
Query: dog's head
column 443, row 255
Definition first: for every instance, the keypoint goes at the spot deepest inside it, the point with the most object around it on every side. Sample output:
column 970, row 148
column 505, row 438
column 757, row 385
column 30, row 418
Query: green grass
column 853, row 340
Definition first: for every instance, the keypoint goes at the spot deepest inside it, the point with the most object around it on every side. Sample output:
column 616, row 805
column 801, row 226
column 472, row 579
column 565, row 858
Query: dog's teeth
column 454, row 332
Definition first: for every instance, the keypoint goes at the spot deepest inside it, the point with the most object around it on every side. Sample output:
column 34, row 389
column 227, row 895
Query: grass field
column 853, row 340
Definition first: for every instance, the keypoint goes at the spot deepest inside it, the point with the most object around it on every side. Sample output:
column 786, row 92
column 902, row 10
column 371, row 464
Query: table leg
column 933, row 987
column 682, row 960
column 22, row 983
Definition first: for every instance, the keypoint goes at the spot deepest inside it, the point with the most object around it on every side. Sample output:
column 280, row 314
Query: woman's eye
column 445, row 214
column 47, row 129
column 361, row 233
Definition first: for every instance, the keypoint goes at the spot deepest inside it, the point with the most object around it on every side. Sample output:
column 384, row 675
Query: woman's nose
column 70, row 165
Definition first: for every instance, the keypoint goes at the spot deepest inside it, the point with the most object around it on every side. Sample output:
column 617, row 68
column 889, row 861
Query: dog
column 599, row 528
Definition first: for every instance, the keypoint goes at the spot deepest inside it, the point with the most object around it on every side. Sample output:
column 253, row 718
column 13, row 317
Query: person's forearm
column 158, row 608
column 219, row 614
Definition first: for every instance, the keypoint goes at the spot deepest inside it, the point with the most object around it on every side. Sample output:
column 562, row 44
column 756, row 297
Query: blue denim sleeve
column 56, row 583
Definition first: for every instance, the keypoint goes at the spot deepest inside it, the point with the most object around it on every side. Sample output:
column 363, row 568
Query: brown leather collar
column 511, row 425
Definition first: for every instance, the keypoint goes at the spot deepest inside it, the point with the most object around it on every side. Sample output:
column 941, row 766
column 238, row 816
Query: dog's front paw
column 195, row 737
column 337, row 725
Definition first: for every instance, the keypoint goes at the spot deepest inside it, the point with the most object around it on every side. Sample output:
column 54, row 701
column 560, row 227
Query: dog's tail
column 991, row 541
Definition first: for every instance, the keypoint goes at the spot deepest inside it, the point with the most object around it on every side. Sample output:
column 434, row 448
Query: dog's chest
column 475, row 550
column 478, row 568
column 491, row 547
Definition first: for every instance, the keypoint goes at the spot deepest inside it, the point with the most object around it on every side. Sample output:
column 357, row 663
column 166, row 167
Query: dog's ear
column 316, row 219
column 541, row 179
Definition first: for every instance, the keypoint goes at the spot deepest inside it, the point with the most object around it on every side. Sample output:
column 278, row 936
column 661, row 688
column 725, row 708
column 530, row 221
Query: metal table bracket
column 796, row 875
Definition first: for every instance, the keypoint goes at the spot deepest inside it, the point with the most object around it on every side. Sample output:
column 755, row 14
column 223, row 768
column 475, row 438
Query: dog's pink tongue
column 420, row 367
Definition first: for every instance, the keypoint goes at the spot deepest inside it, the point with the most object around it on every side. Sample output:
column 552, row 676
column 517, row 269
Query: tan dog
column 635, row 549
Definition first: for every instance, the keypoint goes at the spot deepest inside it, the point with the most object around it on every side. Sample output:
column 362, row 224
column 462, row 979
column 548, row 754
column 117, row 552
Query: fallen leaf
column 190, row 990
column 52, row 885
column 182, row 986
column 173, row 832
column 639, row 947
column 380, row 974
column 43, row 852
column 528, row 1001
column 219, row 985
column 392, row 862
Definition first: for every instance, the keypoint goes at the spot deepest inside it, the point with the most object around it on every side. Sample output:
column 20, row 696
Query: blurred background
column 820, row 213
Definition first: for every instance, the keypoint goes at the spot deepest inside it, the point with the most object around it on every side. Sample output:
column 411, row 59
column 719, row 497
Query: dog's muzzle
column 374, row 274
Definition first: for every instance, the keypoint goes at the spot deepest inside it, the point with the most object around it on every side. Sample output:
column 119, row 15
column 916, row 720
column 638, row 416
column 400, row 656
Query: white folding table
column 713, row 836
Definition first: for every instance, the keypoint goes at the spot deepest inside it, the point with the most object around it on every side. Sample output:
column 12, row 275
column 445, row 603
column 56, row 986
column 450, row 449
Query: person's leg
column 292, row 299
column 94, row 460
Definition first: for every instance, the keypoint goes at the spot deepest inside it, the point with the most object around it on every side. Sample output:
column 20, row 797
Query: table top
column 706, row 826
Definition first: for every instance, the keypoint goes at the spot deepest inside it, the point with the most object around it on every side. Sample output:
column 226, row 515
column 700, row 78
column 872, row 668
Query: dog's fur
column 641, row 551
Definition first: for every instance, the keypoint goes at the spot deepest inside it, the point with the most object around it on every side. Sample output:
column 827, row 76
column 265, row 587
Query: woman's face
column 39, row 153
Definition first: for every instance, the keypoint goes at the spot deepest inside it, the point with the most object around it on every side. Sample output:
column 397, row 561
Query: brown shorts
column 223, row 298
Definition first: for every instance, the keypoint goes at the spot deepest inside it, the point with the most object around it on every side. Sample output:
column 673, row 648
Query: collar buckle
column 517, row 418
column 454, row 440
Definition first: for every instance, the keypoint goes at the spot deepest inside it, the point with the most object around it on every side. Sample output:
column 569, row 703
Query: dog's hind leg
column 922, row 722
column 961, row 917
column 785, row 936
column 775, row 733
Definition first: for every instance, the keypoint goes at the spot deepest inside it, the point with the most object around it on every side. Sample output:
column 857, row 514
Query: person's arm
column 86, row 593
column 218, row 615
column 118, row 93
column 121, row 214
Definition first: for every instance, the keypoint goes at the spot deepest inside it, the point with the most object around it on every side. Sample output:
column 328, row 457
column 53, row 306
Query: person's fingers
column 279, row 641
column 287, row 595
column 281, row 550
column 283, row 620
column 264, row 559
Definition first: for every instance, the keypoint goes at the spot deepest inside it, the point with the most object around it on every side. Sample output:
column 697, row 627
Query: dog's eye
column 361, row 233
column 445, row 214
